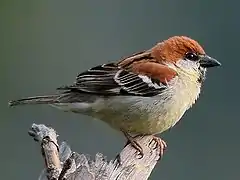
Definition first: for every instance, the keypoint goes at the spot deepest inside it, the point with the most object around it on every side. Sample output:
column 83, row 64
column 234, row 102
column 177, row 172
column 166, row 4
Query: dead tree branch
column 63, row 164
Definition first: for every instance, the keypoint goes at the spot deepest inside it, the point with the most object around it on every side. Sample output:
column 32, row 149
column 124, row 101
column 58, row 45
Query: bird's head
column 185, row 55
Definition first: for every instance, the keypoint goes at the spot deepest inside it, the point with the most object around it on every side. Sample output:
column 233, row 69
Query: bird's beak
column 207, row 62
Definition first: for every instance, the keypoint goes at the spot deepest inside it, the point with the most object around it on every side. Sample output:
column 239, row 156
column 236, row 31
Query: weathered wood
column 61, row 163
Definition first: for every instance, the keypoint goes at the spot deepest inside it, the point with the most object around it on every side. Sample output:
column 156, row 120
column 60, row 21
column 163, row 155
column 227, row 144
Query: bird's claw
column 161, row 144
column 136, row 146
column 134, row 143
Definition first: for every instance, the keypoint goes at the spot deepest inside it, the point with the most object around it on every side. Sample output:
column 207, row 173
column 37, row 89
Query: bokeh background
column 45, row 44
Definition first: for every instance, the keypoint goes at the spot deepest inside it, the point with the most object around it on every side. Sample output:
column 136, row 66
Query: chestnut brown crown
column 175, row 48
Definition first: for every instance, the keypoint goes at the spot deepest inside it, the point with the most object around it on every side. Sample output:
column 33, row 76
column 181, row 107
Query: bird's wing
column 145, row 78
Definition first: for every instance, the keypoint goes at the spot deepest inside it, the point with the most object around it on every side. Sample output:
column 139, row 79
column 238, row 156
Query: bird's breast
column 148, row 115
column 143, row 115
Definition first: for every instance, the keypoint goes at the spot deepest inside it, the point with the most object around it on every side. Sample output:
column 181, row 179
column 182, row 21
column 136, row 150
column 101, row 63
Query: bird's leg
column 133, row 142
column 160, row 143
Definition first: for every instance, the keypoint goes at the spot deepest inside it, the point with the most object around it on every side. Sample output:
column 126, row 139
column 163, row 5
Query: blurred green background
column 45, row 44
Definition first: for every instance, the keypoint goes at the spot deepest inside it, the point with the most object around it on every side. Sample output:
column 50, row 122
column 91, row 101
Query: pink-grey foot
column 160, row 143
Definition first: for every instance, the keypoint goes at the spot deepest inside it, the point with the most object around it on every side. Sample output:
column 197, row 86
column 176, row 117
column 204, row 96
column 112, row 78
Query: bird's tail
column 49, row 99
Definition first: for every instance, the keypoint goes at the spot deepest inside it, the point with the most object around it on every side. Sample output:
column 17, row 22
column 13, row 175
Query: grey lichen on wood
column 62, row 163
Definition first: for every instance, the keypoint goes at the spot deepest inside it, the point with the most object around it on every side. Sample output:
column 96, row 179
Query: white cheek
column 187, row 64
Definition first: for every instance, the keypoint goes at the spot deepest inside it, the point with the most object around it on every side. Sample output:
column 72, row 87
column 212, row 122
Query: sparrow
column 146, row 93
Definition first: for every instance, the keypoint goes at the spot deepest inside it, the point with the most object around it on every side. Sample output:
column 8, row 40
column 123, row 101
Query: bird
column 146, row 93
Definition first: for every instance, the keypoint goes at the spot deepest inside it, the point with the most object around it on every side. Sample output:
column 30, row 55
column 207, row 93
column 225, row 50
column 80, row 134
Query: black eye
column 191, row 56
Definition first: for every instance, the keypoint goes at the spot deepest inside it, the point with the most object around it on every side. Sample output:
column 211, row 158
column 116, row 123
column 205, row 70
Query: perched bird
column 143, row 94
